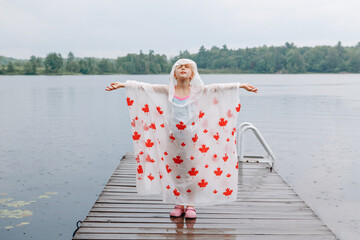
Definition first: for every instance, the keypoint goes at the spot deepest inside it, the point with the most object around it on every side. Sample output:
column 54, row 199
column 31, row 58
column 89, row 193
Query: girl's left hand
column 248, row 87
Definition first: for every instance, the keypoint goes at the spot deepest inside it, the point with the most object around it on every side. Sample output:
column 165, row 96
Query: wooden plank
column 266, row 208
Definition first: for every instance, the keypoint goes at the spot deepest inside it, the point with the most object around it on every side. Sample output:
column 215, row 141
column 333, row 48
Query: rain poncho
column 187, row 151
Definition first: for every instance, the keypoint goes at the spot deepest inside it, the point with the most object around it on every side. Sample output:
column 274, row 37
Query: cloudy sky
column 112, row 28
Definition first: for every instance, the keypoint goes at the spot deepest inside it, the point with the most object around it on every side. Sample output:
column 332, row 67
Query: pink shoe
column 177, row 211
column 190, row 212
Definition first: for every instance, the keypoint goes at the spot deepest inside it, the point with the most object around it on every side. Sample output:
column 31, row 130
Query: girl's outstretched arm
column 115, row 85
column 248, row 87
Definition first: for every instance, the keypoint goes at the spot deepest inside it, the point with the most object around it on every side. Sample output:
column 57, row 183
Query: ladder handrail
column 240, row 142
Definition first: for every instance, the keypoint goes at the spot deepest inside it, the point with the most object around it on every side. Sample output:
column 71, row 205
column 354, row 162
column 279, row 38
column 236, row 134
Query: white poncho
column 190, row 158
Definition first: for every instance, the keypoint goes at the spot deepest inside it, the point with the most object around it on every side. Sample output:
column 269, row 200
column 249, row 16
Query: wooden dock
column 266, row 208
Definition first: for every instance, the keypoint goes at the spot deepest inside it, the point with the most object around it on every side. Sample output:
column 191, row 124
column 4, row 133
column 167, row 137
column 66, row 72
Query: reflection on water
column 66, row 135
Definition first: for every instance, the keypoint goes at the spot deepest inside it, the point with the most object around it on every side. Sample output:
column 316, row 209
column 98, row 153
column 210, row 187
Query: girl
column 185, row 138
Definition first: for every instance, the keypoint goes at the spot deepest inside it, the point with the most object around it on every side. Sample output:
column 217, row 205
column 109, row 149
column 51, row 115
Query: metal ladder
column 270, row 158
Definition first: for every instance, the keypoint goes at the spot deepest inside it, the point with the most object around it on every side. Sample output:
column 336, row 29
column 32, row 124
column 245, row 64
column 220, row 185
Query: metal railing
column 242, row 128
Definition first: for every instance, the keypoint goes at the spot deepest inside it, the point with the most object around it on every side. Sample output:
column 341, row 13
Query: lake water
column 61, row 138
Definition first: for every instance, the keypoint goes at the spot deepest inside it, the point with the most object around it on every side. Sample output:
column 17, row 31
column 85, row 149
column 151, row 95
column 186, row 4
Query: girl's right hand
column 114, row 85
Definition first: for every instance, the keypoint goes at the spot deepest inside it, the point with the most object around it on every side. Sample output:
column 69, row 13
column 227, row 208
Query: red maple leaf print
column 140, row 169
column 201, row 114
column 222, row 122
column 225, row 158
column 195, row 138
column 172, row 137
column 146, row 127
column 178, row 176
column 181, row 126
column 162, row 125
column 150, row 177
column 233, row 131
column 145, row 108
column 193, row 172
column 215, row 155
column 215, row 101
column 193, row 123
column 176, row 193
column 162, row 159
column 149, row 159
column 136, row 118
column 205, row 131
column 183, row 144
column 192, row 158
column 136, row 136
column 149, row 143
column 216, row 136
column 215, row 192
column 202, row 183
column 152, row 125
column 203, row 148
column 168, row 169
column 141, row 152
column 159, row 110
column 206, row 166
column 237, row 165
column 137, row 158
column 189, row 191
column 160, row 175
column 168, row 186
column 133, row 123
column 228, row 192
column 165, row 153
column 218, row 172
column 229, row 114
column 228, row 139
column 228, row 175
column 177, row 160
column 129, row 101
column 238, row 108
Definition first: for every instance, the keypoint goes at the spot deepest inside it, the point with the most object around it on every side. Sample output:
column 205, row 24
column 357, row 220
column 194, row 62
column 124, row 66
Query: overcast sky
column 112, row 28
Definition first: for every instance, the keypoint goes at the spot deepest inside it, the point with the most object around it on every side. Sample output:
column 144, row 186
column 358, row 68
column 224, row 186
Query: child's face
column 183, row 72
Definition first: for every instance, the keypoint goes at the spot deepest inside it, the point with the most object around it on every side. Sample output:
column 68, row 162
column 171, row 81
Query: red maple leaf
column 228, row 175
column 189, row 191
column 176, row 193
column 181, row 126
column 228, row 139
column 136, row 118
column 215, row 155
column 229, row 114
column 168, row 169
column 203, row 148
column 140, row 169
column 225, row 158
column 201, row 114
column 228, row 192
column 193, row 172
column 149, row 143
column 137, row 158
column 193, row 123
column 222, row 122
column 150, row 177
column 133, row 123
column 215, row 192
column 237, row 165
column 129, row 101
column 215, row 101
column 216, row 136
column 172, row 137
column 192, row 157
column 165, row 153
column 205, row 131
column 162, row 158
column 162, row 125
column 149, row 159
column 177, row 160
column 238, row 108
column 145, row 108
column 195, row 138
column 178, row 177
column 160, row 175
column 218, row 172
column 202, row 183
column 136, row 136
column 141, row 152
column 183, row 144
column 206, row 166
column 152, row 125
column 145, row 127
column 168, row 186
column 159, row 110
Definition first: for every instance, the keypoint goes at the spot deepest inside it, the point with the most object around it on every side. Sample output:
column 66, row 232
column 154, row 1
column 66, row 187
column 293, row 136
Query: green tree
column 295, row 61
column 71, row 64
column 53, row 63
column 10, row 68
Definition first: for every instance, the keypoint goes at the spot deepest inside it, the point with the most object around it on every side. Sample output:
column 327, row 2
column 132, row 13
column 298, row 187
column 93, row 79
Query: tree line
column 281, row 59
